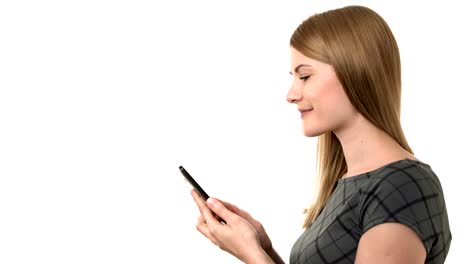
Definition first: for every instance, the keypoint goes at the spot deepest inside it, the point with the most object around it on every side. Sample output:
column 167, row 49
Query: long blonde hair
column 360, row 46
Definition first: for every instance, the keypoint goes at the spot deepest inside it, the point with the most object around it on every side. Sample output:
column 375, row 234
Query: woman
column 376, row 202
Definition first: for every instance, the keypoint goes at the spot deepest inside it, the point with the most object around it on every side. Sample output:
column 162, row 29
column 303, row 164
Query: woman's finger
column 203, row 228
column 204, row 210
column 220, row 210
column 230, row 206
column 233, row 208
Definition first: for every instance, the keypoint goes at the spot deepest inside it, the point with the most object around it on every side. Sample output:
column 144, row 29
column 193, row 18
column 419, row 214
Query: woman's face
column 319, row 96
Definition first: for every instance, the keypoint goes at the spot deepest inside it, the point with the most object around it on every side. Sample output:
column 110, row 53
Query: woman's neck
column 367, row 147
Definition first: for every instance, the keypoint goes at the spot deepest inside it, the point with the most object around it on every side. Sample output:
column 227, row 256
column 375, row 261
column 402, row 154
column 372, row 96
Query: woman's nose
column 294, row 94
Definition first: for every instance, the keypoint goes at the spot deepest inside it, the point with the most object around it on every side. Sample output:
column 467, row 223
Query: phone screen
column 194, row 184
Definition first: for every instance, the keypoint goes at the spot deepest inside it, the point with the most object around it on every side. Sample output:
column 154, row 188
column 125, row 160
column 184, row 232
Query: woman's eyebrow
column 298, row 67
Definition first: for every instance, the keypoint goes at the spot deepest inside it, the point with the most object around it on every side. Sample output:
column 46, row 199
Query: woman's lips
column 304, row 112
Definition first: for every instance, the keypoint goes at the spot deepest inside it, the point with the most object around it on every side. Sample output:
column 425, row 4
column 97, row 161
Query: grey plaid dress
column 405, row 191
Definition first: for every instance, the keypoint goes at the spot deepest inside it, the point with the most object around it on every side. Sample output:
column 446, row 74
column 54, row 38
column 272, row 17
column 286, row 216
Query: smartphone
column 194, row 184
column 199, row 190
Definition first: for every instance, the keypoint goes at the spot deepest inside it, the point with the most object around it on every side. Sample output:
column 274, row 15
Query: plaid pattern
column 405, row 191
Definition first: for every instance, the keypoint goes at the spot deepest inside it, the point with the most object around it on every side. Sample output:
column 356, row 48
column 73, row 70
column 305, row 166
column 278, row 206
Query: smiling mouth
column 303, row 113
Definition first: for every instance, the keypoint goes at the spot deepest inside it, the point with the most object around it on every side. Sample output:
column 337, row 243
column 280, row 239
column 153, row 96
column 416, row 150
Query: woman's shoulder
column 399, row 184
column 398, row 171
column 409, row 192
column 403, row 174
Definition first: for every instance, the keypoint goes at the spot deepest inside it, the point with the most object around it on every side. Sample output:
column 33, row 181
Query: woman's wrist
column 259, row 257
column 274, row 256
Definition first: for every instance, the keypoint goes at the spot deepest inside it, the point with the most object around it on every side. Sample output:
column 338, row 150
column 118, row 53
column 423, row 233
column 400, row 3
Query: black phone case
column 195, row 185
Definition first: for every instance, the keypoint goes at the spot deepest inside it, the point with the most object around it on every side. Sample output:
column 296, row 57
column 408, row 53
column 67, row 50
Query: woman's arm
column 275, row 256
column 390, row 243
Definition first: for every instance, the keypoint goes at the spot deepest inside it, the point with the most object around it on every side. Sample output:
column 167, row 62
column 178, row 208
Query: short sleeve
column 410, row 197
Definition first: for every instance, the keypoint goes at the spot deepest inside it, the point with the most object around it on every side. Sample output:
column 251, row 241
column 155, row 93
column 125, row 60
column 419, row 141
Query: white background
column 101, row 101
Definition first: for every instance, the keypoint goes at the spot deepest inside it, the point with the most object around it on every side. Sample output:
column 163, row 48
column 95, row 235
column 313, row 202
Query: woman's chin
column 312, row 132
column 308, row 133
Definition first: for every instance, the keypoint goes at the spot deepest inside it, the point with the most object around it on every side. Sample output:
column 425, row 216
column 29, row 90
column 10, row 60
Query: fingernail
column 211, row 202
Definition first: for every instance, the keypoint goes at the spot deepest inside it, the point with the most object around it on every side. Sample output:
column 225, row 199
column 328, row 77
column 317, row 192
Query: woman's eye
column 304, row 78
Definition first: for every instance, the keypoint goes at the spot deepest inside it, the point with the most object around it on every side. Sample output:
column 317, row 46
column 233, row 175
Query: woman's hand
column 237, row 235
column 263, row 238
